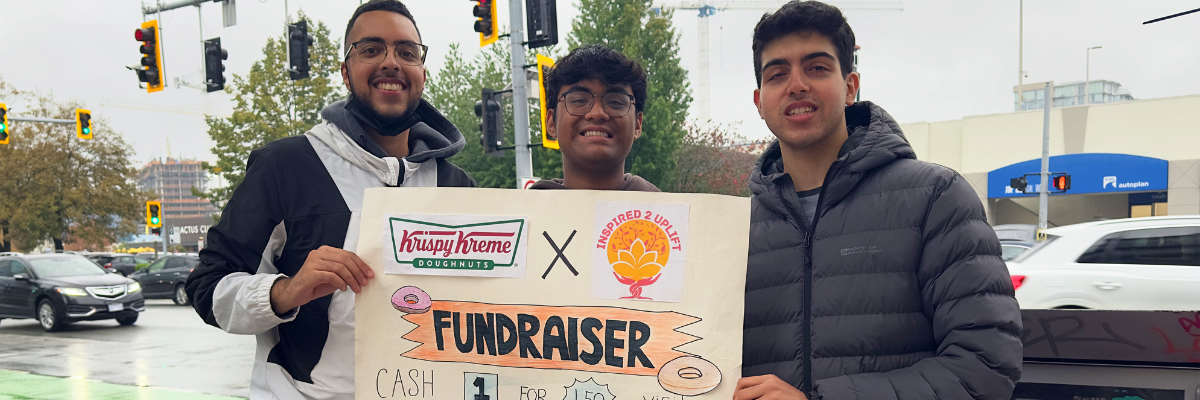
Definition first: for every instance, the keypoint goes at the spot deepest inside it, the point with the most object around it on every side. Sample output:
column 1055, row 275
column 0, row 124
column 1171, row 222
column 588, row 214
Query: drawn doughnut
column 412, row 300
column 689, row 376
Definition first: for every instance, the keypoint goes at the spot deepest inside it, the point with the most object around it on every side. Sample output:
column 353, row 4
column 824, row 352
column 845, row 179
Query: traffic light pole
column 46, row 120
column 516, row 18
column 1044, row 187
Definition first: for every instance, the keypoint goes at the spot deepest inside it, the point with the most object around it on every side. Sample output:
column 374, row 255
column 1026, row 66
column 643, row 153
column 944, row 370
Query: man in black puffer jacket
column 871, row 275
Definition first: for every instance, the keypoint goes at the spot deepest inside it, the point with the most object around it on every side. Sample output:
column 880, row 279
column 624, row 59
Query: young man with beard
column 596, row 96
column 871, row 275
column 279, row 265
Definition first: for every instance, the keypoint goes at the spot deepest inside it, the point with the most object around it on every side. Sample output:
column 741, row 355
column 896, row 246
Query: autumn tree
column 270, row 106
column 58, row 187
column 715, row 159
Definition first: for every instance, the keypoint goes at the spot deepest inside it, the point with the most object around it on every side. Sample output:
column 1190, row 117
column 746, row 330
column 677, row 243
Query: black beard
column 360, row 108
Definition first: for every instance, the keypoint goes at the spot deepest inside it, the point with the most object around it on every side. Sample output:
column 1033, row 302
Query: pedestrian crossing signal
column 1061, row 182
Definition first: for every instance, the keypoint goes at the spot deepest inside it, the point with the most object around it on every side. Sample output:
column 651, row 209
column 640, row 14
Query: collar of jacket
column 875, row 140
column 387, row 169
column 433, row 137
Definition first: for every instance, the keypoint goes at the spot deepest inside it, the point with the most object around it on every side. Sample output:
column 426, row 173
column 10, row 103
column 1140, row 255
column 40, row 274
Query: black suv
column 165, row 278
column 61, row 288
column 124, row 264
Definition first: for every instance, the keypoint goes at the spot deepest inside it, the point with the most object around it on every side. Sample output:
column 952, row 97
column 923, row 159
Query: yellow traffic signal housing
column 152, row 63
column 154, row 214
column 83, row 123
column 487, row 25
column 544, row 64
column 3, row 123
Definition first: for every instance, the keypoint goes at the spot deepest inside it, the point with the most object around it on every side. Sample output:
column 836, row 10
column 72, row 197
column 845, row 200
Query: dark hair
column 595, row 61
column 377, row 5
column 799, row 16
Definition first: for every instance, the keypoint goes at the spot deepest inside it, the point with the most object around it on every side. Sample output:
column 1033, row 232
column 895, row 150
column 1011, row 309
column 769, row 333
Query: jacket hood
column 875, row 139
column 434, row 137
column 632, row 183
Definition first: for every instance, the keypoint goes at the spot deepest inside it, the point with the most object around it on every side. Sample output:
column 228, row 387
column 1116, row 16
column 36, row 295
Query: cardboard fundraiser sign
column 489, row 294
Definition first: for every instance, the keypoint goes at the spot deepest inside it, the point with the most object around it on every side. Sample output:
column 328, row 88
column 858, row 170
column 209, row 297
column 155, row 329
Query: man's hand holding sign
column 325, row 271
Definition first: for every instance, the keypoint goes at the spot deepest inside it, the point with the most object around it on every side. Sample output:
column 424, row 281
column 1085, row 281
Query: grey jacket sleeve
column 968, row 296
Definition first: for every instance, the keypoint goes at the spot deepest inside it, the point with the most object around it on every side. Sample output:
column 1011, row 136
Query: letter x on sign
column 560, row 254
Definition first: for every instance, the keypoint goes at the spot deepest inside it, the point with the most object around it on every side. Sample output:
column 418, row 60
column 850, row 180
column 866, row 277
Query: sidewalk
column 17, row 385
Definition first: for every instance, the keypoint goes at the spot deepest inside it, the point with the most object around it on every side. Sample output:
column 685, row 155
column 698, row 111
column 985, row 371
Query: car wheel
column 181, row 297
column 48, row 317
column 127, row 319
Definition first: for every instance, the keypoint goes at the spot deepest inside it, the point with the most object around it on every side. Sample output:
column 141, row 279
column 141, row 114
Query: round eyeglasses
column 371, row 52
column 614, row 104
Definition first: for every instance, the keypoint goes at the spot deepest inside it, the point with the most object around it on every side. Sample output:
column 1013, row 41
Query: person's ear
column 551, row 130
column 852, row 82
column 637, row 126
column 346, row 76
column 758, row 104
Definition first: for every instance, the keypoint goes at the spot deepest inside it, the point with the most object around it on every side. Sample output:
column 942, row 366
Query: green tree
column 58, row 187
column 455, row 88
column 630, row 27
column 270, row 106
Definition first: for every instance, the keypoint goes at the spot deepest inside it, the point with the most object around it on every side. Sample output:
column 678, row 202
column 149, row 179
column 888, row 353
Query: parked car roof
column 1125, row 223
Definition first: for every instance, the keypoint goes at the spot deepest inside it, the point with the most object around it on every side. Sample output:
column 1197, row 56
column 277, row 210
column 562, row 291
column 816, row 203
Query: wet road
column 169, row 347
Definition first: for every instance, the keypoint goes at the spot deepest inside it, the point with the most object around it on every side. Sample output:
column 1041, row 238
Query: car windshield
column 1009, row 252
column 1025, row 256
column 102, row 259
column 58, row 267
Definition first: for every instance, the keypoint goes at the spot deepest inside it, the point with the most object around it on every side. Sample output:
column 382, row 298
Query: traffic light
column 83, row 123
column 298, row 42
column 1019, row 184
column 214, row 68
column 543, row 23
column 152, row 65
column 3, row 123
column 544, row 64
column 491, row 126
column 487, row 24
column 154, row 214
column 1061, row 182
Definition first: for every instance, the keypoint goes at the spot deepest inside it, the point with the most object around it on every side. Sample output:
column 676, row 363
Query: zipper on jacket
column 806, row 383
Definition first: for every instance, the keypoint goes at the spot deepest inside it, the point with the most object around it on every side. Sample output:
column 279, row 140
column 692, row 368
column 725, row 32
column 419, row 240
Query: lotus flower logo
column 637, row 251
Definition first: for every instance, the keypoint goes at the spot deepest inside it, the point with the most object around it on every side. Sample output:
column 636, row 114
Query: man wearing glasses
column 595, row 96
column 275, row 265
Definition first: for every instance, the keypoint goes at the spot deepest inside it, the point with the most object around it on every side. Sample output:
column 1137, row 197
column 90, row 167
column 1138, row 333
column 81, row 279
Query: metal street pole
column 1021, row 60
column 1087, row 83
column 516, row 19
column 46, row 120
column 1043, row 188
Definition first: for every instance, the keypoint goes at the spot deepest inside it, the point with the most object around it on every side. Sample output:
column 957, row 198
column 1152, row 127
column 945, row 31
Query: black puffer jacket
column 905, row 295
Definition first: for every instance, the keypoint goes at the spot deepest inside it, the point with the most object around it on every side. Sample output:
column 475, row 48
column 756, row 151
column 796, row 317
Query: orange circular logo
column 638, row 250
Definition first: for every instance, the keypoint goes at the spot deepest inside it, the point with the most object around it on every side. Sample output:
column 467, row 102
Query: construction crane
column 708, row 8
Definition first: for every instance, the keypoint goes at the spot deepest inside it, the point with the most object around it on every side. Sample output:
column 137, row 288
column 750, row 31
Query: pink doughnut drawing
column 412, row 300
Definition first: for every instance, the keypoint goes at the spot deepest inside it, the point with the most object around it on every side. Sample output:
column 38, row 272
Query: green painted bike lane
column 17, row 385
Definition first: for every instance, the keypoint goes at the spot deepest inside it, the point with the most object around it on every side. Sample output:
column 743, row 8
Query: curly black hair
column 378, row 5
column 800, row 16
column 596, row 62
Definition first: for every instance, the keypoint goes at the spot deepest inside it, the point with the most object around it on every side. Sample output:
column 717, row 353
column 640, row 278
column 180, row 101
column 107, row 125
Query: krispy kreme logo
column 429, row 244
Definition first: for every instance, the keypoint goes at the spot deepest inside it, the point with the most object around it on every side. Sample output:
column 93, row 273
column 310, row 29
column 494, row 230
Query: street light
column 1087, row 96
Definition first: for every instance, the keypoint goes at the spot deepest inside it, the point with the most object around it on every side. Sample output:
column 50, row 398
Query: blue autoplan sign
column 1090, row 173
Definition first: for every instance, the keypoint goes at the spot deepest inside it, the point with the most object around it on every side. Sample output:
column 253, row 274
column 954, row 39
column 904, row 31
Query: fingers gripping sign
column 766, row 387
column 326, row 270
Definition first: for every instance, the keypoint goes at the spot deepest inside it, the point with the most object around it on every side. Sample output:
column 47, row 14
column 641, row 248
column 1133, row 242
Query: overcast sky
column 936, row 60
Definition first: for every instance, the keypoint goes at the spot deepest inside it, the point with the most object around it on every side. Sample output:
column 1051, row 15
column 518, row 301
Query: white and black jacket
column 301, row 193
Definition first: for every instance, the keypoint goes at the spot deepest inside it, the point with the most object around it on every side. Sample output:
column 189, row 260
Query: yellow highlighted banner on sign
column 598, row 339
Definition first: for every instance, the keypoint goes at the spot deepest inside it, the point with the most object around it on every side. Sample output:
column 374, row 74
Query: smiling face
column 594, row 140
column 803, row 93
column 390, row 88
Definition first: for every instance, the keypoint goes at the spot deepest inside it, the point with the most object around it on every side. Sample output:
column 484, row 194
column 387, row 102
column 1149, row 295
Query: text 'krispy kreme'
column 455, row 242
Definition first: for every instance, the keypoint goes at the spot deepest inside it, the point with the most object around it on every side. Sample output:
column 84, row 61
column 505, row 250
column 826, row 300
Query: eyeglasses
column 370, row 52
column 580, row 103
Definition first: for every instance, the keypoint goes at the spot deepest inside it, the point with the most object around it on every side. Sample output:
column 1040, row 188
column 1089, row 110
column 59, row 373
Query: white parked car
column 1128, row 264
